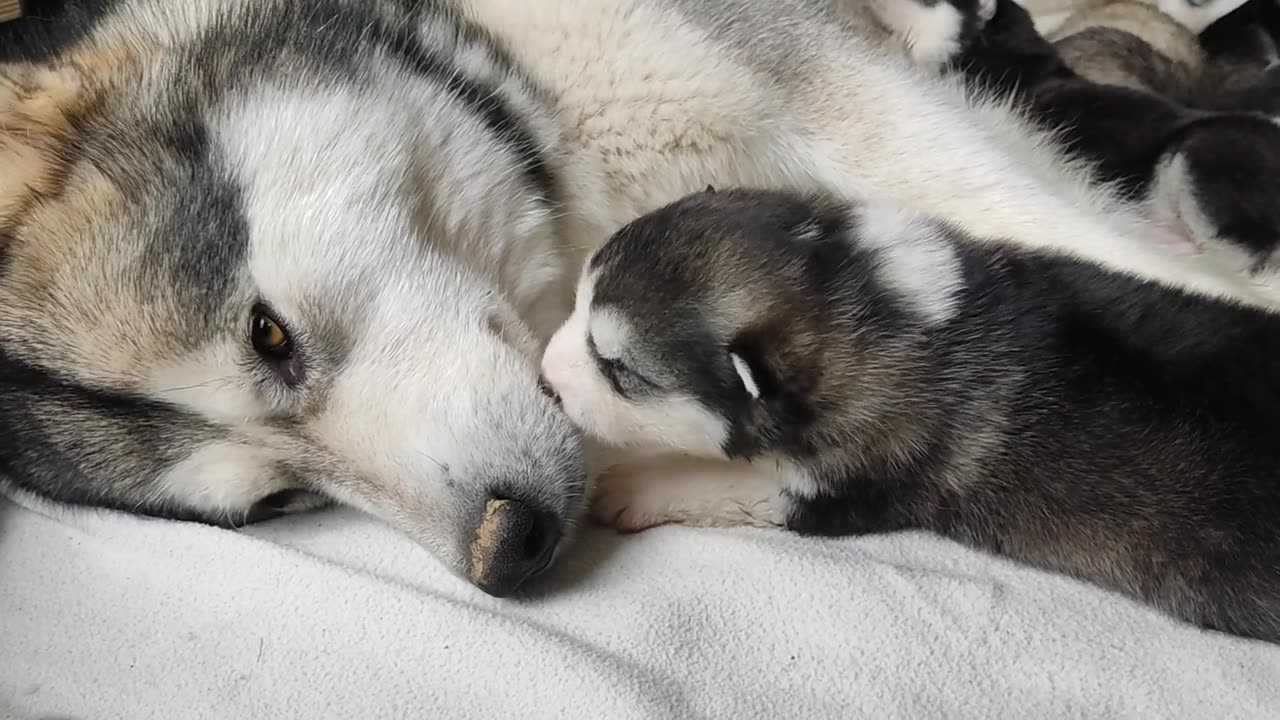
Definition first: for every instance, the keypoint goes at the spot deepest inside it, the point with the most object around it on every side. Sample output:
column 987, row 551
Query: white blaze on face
column 667, row 418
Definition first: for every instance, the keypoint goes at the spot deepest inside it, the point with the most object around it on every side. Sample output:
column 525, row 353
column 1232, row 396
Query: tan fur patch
column 485, row 542
column 101, row 60
column 55, row 274
column 55, row 269
column 35, row 106
column 1145, row 22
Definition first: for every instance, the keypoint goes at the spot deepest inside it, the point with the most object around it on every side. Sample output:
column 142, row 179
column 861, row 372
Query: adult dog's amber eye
column 269, row 338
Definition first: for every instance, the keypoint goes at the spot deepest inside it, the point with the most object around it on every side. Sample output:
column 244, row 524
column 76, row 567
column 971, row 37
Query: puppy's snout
column 514, row 542
column 548, row 390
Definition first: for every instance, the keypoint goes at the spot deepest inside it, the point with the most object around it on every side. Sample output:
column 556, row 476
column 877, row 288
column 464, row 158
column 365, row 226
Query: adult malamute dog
column 258, row 253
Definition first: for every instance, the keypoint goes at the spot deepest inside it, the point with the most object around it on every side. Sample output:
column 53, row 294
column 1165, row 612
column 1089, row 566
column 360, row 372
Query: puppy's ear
column 752, row 428
column 774, row 407
column 710, row 189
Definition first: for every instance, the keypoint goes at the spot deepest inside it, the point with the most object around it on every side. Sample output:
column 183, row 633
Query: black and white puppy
column 1244, row 50
column 1210, row 178
column 1248, row 36
column 833, row 369
column 1195, row 15
column 1131, row 44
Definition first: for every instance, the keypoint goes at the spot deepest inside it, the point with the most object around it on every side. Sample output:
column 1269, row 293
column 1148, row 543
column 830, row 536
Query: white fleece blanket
column 333, row 615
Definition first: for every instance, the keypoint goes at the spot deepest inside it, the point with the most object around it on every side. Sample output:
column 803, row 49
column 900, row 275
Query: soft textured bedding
column 333, row 615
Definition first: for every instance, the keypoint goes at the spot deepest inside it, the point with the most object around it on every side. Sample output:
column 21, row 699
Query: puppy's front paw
column 688, row 491
column 631, row 498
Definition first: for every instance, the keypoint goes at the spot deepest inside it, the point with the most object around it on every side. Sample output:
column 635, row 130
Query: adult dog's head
column 250, row 262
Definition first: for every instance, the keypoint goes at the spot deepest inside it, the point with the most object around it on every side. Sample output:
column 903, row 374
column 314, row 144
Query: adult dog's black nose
column 514, row 542
column 548, row 390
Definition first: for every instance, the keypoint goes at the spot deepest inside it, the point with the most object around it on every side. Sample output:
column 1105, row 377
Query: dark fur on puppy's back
column 1061, row 414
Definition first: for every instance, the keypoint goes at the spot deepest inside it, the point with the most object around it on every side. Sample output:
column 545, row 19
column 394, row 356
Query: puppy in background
column 1244, row 50
column 1134, row 45
column 1231, row 66
column 1248, row 34
column 1210, row 178
column 844, row 369
column 1195, row 15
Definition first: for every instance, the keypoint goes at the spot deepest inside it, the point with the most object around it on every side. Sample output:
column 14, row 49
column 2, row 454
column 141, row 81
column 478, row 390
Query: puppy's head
column 697, row 327
column 1219, row 183
column 731, row 323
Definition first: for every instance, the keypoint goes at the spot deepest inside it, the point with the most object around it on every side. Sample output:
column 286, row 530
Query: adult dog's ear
column 37, row 105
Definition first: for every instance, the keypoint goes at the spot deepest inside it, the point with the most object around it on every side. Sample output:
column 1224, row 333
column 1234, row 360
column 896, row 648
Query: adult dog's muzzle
column 514, row 542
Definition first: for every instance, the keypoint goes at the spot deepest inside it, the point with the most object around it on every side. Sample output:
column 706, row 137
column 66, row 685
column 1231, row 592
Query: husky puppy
column 1136, row 45
column 1131, row 44
column 1244, row 49
column 1249, row 34
column 261, row 254
column 1195, row 15
column 1209, row 180
column 868, row 369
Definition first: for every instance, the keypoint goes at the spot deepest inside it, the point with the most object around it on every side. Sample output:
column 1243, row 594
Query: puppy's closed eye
column 613, row 371
column 624, row 379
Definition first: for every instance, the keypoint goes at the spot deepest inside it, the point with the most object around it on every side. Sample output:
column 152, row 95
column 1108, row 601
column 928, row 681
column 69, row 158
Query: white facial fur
column 421, row 392
column 669, row 422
